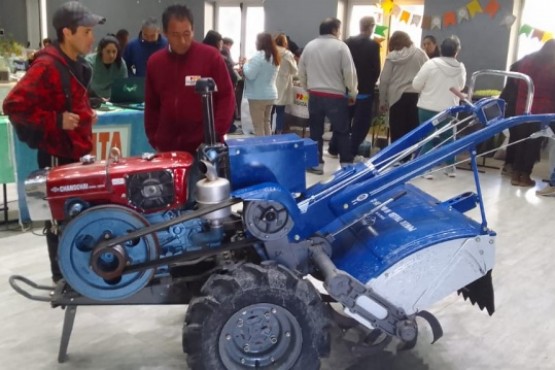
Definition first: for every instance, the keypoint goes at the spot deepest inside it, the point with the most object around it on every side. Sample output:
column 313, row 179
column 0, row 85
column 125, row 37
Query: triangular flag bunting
column 474, row 8
column 426, row 22
column 380, row 30
column 416, row 20
column 449, row 19
column 405, row 16
column 547, row 36
column 462, row 14
column 436, row 22
column 396, row 11
column 387, row 6
column 492, row 8
column 539, row 34
column 508, row 20
column 525, row 29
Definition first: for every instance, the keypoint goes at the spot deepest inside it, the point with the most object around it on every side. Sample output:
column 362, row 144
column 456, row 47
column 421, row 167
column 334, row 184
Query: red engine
column 150, row 183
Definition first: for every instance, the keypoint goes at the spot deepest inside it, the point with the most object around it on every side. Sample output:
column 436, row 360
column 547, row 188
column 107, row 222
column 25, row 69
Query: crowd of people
column 51, row 111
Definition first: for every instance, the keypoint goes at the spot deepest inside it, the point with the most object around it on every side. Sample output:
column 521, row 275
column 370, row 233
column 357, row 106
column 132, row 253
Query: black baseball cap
column 75, row 14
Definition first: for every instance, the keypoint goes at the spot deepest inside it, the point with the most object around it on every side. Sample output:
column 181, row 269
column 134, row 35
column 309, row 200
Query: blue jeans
column 337, row 111
column 361, row 116
column 280, row 118
column 444, row 138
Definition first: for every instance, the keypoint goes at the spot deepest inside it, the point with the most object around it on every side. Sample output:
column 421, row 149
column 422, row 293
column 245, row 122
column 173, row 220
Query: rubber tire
column 224, row 295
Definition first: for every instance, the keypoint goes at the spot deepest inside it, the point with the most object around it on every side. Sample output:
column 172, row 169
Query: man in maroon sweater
column 173, row 111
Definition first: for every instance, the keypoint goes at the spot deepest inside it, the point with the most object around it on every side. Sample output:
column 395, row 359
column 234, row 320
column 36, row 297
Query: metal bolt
column 273, row 340
column 267, row 315
column 228, row 337
column 238, row 152
column 274, row 311
column 345, row 206
column 244, row 313
column 243, row 361
column 288, row 334
column 297, row 237
column 272, row 359
column 491, row 241
column 246, row 348
column 240, row 323
column 477, row 240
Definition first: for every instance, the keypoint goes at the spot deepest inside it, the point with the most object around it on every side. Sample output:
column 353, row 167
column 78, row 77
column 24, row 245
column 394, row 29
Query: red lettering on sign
column 103, row 138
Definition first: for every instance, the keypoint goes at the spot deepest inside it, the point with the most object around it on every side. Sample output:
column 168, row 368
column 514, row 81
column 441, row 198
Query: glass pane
column 359, row 11
column 539, row 15
column 255, row 25
column 229, row 25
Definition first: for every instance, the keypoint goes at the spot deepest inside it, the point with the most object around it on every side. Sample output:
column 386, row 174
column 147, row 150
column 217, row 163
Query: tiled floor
column 518, row 336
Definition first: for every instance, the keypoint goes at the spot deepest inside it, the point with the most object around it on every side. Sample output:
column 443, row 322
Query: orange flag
column 492, row 8
column 405, row 16
column 449, row 19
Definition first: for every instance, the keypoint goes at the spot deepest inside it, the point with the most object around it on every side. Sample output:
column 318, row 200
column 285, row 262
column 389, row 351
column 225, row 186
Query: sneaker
column 318, row 170
column 526, row 181
column 450, row 171
column 548, row 191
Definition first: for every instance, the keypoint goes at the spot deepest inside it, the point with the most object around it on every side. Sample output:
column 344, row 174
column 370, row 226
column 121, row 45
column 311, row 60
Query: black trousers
column 403, row 116
column 46, row 160
column 527, row 152
column 360, row 116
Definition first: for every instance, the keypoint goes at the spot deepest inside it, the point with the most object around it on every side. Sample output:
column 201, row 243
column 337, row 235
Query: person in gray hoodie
column 396, row 92
column 433, row 82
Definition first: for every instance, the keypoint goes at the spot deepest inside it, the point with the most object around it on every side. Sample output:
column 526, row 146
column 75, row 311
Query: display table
column 119, row 127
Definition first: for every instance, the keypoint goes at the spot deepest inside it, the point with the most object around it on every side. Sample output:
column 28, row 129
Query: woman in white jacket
column 284, row 82
column 433, row 82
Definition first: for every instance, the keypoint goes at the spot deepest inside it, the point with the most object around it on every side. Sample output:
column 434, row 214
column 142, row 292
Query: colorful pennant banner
column 449, row 18
column 535, row 33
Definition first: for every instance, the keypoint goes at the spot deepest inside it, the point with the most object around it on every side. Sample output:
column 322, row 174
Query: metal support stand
column 5, row 207
column 69, row 319
column 164, row 290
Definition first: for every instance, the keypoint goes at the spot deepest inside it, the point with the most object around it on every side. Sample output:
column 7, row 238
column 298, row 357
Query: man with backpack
column 49, row 107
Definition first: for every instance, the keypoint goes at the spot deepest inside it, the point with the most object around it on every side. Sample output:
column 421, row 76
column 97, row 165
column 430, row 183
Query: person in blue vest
column 138, row 51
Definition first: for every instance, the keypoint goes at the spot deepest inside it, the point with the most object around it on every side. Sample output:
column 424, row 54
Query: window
column 241, row 22
column 539, row 15
column 415, row 32
column 356, row 12
column 358, row 9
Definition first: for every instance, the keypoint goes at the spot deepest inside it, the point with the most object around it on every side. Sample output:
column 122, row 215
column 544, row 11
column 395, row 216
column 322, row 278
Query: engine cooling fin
column 480, row 292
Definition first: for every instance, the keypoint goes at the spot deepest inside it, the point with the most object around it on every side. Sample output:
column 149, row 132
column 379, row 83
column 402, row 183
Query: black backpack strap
column 65, row 77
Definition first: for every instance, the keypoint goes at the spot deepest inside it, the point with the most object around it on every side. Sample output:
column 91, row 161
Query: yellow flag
column 547, row 36
column 387, row 6
column 474, row 8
